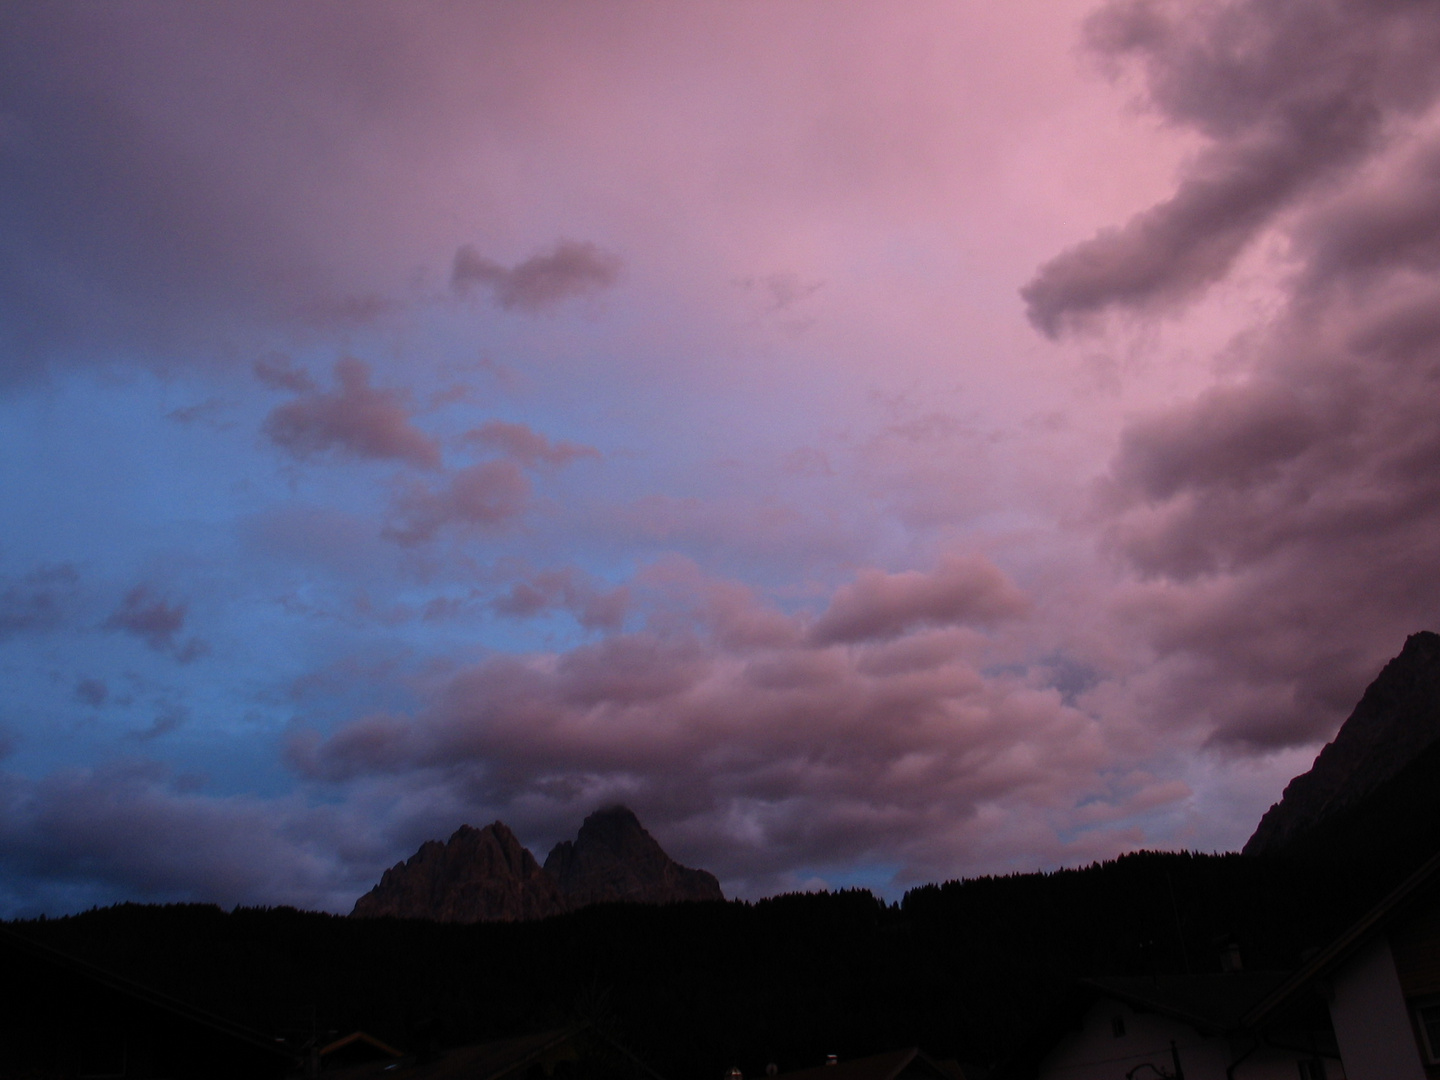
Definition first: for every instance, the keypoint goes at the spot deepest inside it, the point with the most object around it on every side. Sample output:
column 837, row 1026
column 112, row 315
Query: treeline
column 960, row 969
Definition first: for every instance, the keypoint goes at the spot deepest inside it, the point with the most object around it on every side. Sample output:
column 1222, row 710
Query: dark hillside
column 693, row 988
column 1396, row 722
column 1383, row 837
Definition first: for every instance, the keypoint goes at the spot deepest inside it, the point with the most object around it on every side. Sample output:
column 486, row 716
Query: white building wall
column 1094, row 1053
column 1372, row 1024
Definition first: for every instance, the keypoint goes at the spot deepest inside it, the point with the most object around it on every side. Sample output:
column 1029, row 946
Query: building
column 1191, row 1026
column 1381, row 982
column 578, row 1052
column 67, row 1018
column 908, row 1064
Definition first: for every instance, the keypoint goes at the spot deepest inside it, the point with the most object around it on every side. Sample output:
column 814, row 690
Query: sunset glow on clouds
column 877, row 444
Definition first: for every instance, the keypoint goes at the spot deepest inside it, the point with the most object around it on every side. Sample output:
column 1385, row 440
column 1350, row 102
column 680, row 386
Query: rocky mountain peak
column 477, row 875
column 615, row 859
column 1396, row 721
column 482, row 875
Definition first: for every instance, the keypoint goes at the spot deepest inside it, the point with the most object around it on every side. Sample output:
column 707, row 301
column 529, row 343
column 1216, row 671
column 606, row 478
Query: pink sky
column 877, row 443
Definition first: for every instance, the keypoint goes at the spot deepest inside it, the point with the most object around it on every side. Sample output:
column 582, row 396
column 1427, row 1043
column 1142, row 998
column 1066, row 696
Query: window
column 1117, row 1026
column 1427, row 1021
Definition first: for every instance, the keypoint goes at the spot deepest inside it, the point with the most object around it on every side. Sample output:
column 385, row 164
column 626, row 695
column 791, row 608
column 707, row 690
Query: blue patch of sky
column 880, row 878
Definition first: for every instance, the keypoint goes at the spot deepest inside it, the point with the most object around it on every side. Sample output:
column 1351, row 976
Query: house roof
column 887, row 1066
column 483, row 1061
column 360, row 1037
column 17, row 943
column 1234, row 1001
column 1209, row 1002
column 1396, row 903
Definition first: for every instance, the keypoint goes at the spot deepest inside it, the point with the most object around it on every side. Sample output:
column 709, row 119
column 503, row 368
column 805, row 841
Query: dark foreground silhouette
column 961, row 969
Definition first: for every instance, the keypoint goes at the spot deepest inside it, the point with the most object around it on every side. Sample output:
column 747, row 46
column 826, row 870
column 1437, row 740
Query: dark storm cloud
column 73, row 836
column 1286, row 524
column 1289, row 93
column 1227, row 440
column 1315, row 484
column 572, row 269
column 1380, row 228
column 113, row 223
column 355, row 420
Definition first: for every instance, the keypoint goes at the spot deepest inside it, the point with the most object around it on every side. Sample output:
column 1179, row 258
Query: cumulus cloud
column 483, row 496
column 1288, row 93
column 1283, row 524
column 356, row 420
column 527, row 446
column 963, row 590
column 573, row 268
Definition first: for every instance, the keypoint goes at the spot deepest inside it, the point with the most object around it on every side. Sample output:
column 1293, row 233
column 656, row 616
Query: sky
column 877, row 443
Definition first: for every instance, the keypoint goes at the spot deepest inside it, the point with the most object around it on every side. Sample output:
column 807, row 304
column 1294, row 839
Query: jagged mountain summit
column 614, row 858
column 479, row 874
column 485, row 875
column 1384, row 747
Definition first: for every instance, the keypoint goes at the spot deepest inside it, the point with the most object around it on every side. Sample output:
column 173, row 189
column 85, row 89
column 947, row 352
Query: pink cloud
column 572, row 269
column 1281, row 120
column 1282, row 524
column 483, row 496
column 963, row 590
column 357, row 420
column 568, row 589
